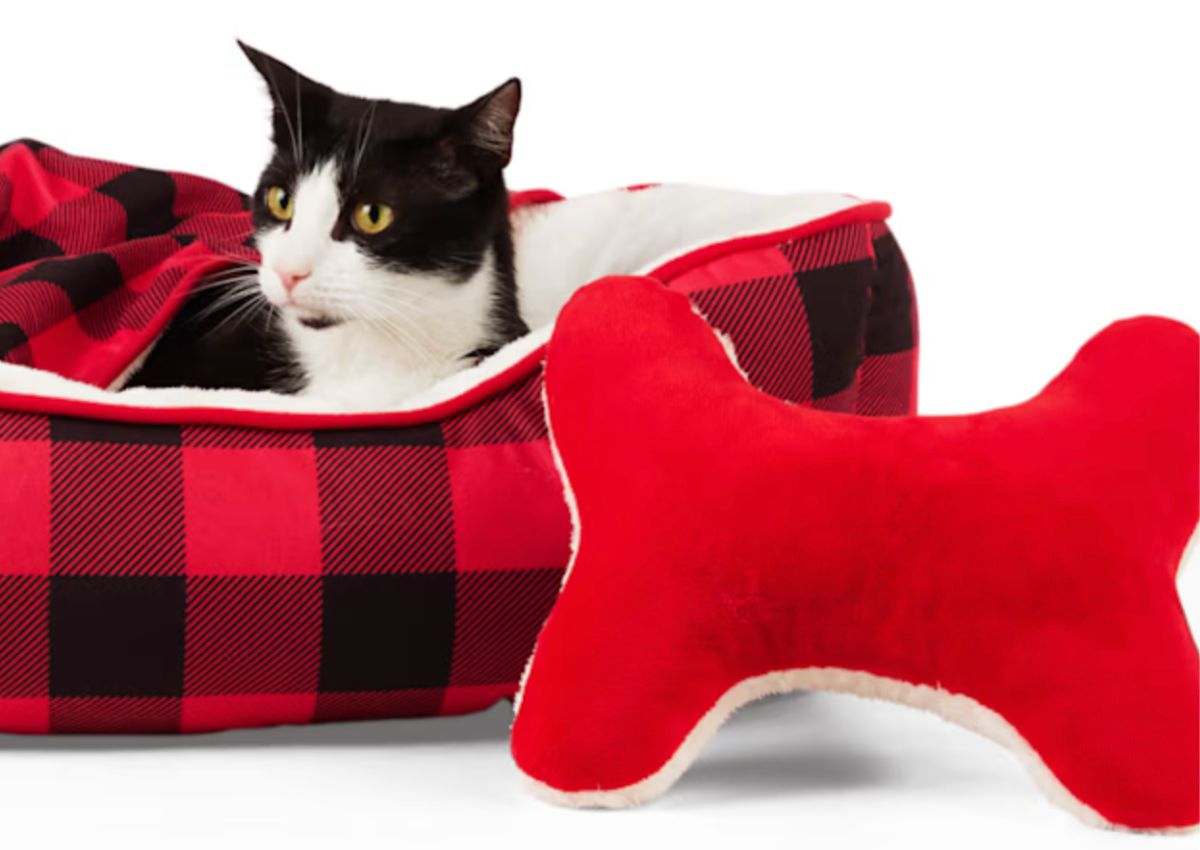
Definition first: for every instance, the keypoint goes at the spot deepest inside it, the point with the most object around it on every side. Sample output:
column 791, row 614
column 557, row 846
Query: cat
column 386, row 251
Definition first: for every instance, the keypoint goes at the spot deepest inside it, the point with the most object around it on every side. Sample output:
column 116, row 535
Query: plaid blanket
column 95, row 257
column 166, row 571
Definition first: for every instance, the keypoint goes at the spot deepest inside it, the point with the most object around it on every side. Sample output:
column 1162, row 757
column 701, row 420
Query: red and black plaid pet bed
column 168, row 568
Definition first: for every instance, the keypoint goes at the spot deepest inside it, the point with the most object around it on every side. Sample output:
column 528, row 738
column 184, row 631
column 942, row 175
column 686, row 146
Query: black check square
column 387, row 632
column 426, row 434
column 836, row 300
column 69, row 429
column 116, row 636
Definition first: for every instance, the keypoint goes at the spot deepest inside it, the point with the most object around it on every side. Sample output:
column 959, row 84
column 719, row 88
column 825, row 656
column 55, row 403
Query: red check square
column 211, row 714
column 251, row 512
column 25, row 508
column 509, row 509
column 26, row 715
column 38, row 191
column 467, row 699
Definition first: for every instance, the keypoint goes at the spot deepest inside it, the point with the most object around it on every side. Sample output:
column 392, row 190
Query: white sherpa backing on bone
column 956, row 708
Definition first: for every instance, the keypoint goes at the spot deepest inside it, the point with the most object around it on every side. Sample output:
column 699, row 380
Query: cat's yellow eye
column 373, row 218
column 280, row 203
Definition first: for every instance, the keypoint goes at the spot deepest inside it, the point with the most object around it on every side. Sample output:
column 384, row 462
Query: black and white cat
column 389, row 261
column 387, row 256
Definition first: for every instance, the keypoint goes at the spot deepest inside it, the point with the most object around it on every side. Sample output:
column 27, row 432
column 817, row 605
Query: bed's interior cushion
column 562, row 246
column 1012, row 570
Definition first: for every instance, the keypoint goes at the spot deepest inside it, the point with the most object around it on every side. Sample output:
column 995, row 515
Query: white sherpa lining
column 559, row 246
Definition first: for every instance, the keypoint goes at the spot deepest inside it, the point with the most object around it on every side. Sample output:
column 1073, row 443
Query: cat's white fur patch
column 306, row 246
column 385, row 362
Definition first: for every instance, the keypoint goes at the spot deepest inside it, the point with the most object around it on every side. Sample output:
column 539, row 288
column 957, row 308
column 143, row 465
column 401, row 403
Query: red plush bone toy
column 1012, row 570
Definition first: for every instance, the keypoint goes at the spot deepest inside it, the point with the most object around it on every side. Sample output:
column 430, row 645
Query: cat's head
column 382, row 212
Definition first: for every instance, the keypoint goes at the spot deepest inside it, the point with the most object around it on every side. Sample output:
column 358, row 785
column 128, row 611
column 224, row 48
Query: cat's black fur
column 211, row 344
column 438, row 168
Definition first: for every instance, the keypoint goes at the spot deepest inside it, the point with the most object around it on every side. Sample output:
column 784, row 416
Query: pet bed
column 180, row 560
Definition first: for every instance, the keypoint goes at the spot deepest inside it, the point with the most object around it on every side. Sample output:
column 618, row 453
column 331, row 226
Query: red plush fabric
column 1023, row 559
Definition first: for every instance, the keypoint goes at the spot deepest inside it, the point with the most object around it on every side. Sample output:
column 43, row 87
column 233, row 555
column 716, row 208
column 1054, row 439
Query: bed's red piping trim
column 281, row 420
column 867, row 211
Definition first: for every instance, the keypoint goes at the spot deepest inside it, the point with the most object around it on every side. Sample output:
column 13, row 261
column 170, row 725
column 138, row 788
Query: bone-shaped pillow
column 1013, row 571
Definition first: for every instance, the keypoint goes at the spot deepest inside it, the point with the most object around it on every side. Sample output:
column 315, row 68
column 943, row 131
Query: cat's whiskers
column 413, row 344
column 403, row 305
column 188, row 260
column 367, row 118
column 343, row 285
column 218, row 281
column 236, row 259
column 247, row 310
column 299, row 116
column 226, row 282
column 414, row 336
column 402, row 310
column 278, row 98
column 233, row 308
column 238, row 293
column 400, row 314
column 407, row 316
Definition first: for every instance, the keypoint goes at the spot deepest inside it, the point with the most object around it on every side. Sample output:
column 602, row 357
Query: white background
column 1042, row 162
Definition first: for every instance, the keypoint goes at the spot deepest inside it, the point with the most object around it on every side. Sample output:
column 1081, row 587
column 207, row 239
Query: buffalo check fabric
column 192, row 578
column 95, row 257
column 195, row 577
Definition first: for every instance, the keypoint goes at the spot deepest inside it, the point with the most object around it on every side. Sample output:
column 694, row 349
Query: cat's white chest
column 360, row 366
column 364, row 363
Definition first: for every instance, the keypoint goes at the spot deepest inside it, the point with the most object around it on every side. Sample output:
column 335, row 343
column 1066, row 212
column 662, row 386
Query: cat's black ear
column 280, row 77
column 487, row 123
column 294, row 96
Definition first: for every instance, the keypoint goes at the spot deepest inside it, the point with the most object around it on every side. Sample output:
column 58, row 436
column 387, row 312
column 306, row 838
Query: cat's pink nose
column 291, row 279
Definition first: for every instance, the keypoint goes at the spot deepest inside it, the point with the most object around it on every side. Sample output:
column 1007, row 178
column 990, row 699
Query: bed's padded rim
column 868, row 213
